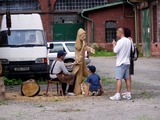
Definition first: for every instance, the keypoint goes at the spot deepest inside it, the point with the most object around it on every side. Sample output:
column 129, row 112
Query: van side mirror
column 8, row 22
column 51, row 46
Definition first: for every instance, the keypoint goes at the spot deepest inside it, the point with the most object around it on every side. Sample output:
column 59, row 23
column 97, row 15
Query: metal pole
column 135, row 11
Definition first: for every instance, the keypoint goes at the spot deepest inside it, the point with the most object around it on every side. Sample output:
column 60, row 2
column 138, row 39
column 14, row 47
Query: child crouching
column 94, row 82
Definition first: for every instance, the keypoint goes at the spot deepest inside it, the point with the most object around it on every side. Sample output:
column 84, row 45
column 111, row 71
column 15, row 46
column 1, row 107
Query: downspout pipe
column 82, row 14
column 135, row 11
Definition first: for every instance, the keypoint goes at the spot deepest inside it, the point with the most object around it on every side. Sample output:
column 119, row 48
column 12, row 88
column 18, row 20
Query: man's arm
column 116, row 46
column 101, row 86
column 64, row 69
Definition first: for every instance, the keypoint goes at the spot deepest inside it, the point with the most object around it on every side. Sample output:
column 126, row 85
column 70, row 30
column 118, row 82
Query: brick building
column 62, row 18
column 106, row 20
column 148, row 26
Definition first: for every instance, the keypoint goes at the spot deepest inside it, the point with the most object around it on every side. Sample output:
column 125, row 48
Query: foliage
column 19, row 81
column 12, row 81
column 103, row 53
column 100, row 51
column 108, row 81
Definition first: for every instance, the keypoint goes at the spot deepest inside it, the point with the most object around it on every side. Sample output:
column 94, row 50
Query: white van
column 24, row 52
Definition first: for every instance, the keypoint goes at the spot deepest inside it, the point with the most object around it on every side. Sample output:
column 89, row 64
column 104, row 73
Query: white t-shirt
column 59, row 67
column 123, row 50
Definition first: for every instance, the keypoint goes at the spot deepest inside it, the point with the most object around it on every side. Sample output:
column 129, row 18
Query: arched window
column 19, row 5
column 76, row 5
column 110, row 27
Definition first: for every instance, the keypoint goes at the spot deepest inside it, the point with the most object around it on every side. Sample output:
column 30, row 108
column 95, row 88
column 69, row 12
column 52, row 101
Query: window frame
column 110, row 30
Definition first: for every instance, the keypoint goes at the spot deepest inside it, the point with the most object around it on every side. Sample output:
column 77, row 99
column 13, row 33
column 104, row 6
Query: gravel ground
column 144, row 105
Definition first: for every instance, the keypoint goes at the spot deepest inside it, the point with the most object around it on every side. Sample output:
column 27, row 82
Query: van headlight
column 4, row 61
column 41, row 60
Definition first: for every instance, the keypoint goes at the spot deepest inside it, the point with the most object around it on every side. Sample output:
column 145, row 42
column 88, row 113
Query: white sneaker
column 124, row 93
column 71, row 94
column 127, row 96
column 115, row 97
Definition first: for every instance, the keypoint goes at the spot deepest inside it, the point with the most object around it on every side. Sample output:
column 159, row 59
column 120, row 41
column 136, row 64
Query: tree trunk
column 30, row 88
column 2, row 86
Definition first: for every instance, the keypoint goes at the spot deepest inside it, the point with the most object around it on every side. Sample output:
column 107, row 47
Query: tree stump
column 2, row 86
column 30, row 88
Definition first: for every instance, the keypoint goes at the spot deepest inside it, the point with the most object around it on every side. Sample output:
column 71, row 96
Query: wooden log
column 30, row 88
column 2, row 86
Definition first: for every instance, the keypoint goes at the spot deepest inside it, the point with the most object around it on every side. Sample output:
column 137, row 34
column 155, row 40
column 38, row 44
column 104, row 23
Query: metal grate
column 111, row 28
column 75, row 5
column 19, row 5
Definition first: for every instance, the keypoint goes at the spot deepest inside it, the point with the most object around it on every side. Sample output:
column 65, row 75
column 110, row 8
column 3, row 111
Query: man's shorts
column 122, row 72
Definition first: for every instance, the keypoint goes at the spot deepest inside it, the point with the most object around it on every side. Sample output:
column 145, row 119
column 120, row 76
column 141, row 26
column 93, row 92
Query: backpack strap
column 51, row 72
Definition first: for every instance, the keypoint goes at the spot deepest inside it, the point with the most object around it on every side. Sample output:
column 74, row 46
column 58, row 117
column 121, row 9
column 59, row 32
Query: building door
column 146, row 32
column 66, row 31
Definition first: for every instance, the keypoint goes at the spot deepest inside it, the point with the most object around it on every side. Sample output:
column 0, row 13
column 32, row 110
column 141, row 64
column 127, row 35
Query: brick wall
column 112, row 13
column 46, row 15
column 47, row 19
column 155, row 46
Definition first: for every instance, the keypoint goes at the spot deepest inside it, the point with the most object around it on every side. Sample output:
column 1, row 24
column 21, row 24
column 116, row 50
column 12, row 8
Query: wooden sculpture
column 80, row 68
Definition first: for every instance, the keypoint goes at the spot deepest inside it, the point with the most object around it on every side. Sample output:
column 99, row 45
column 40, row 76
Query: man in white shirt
column 122, row 49
column 58, row 71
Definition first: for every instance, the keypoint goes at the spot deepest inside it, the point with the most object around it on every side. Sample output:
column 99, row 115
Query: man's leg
column 127, row 95
column 128, row 84
column 119, row 76
column 64, row 86
column 71, row 89
column 119, row 86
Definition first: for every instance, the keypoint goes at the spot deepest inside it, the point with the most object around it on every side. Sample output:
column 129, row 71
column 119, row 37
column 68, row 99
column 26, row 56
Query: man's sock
column 118, row 94
column 129, row 93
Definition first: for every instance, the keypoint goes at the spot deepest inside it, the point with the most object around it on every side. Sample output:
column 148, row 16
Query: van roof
column 23, row 22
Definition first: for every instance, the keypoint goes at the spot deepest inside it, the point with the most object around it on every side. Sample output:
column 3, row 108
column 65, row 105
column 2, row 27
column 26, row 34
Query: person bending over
column 94, row 82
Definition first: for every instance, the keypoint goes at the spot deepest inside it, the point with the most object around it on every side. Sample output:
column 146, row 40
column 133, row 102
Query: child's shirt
column 94, row 80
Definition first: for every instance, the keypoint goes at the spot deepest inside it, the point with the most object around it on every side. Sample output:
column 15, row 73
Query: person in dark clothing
column 127, row 34
column 94, row 82
column 59, row 71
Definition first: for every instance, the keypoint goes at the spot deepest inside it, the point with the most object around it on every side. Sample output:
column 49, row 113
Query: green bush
column 103, row 53
column 12, row 81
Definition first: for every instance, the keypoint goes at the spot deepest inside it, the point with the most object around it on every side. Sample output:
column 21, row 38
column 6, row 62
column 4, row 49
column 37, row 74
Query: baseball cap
column 92, row 68
column 61, row 53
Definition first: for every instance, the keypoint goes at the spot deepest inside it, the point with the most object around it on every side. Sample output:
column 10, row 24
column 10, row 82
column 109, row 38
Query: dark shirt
column 94, row 80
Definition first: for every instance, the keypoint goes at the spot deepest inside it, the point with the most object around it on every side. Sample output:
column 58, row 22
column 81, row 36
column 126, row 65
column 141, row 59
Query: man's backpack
column 134, row 54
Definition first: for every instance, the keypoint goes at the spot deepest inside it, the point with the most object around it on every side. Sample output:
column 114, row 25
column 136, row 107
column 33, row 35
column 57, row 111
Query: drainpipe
column 92, row 25
column 135, row 11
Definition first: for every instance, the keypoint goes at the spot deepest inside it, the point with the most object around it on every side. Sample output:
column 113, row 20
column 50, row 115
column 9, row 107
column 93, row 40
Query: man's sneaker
column 128, row 97
column 124, row 93
column 71, row 94
column 115, row 97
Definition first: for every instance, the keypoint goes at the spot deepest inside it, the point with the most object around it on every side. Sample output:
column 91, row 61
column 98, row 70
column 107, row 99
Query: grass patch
column 144, row 118
column 70, row 110
column 108, row 81
column 3, row 103
column 145, row 94
column 41, row 106
column 12, row 81
column 103, row 53
column 19, row 81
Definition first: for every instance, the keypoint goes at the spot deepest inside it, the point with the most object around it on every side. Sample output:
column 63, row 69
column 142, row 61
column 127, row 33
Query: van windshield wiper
column 30, row 45
column 10, row 45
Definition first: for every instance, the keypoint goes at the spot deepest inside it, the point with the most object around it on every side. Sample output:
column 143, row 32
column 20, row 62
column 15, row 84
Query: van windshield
column 22, row 38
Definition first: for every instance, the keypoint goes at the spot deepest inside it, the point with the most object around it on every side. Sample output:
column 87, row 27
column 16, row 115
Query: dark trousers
column 71, row 87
